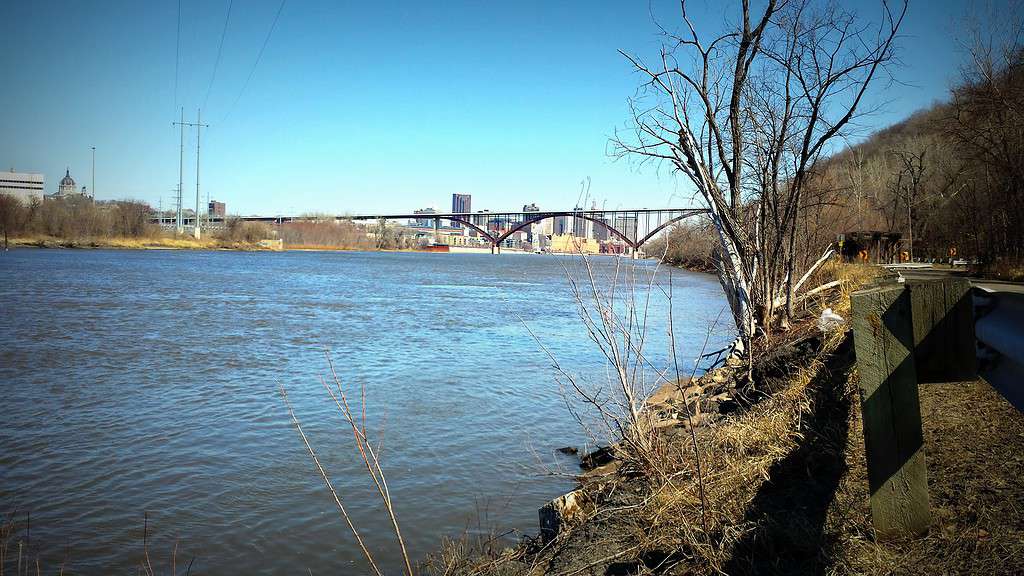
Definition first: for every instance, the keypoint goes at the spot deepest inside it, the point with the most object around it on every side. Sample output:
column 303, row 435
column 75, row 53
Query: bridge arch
column 666, row 224
column 484, row 233
column 496, row 238
column 611, row 229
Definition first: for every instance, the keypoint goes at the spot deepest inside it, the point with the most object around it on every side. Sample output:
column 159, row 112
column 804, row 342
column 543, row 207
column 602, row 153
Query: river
column 140, row 383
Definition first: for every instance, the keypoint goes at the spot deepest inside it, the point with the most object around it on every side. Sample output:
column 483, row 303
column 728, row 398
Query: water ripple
column 146, row 382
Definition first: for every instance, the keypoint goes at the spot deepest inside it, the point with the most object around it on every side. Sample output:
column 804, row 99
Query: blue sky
column 360, row 106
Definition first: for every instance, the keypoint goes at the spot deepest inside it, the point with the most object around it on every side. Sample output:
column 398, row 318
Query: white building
column 23, row 186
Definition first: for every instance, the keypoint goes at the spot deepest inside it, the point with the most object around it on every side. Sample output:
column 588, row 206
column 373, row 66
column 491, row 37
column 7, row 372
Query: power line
column 216, row 63
column 257, row 62
column 177, row 55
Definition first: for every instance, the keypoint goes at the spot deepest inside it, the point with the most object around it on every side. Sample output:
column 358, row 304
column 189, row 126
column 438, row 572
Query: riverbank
column 214, row 243
column 768, row 477
column 178, row 243
column 141, row 243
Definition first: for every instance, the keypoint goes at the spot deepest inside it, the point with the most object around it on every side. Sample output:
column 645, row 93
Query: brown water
column 139, row 382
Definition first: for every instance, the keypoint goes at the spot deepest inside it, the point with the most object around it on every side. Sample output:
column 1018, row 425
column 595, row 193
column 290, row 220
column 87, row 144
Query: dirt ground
column 974, row 445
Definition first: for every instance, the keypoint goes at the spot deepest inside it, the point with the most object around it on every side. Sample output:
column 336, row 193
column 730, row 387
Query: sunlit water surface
column 138, row 382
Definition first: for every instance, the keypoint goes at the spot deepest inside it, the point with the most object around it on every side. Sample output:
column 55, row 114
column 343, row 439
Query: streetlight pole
column 93, row 172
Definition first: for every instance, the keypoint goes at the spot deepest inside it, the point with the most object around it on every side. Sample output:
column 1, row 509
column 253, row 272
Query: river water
column 145, row 383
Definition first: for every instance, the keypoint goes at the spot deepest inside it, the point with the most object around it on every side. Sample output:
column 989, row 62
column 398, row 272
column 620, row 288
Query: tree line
column 79, row 220
column 75, row 218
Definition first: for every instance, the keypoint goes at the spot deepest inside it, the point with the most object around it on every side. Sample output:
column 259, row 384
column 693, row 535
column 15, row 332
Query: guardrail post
column 944, row 341
column 893, row 440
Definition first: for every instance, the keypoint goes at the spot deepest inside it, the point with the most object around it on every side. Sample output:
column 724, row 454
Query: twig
column 366, row 449
column 327, row 481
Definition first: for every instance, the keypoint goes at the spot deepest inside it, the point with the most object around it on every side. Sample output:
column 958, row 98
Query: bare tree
column 11, row 212
column 988, row 111
column 770, row 95
column 907, row 187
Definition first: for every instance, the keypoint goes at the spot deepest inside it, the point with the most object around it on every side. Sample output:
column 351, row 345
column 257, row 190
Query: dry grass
column 974, row 442
column 740, row 456
column 156, row 242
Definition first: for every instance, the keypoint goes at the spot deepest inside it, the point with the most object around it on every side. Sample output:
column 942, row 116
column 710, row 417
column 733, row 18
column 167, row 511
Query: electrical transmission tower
column 198, row 124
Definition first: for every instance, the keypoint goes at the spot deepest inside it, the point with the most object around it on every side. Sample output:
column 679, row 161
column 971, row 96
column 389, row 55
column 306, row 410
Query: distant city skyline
column 368, row 108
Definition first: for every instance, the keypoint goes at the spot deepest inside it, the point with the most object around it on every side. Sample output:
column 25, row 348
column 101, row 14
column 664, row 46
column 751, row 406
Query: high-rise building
column 23, row 186
column 627, row 224
column 462, row 203
column 533, row 230
column 562, row 225
column 601, row 229
column 581, row 227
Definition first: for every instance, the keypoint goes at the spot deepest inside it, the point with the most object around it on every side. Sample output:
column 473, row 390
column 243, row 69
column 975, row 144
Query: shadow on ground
column 790, row 509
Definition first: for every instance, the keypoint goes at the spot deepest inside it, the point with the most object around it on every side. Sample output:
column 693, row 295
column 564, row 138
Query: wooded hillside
column 949, row 179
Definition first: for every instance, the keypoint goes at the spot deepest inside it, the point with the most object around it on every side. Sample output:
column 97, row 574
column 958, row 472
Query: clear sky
column 361, row 106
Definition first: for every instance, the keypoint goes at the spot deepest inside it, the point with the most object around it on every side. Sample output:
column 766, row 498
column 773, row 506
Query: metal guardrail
column 999, row 329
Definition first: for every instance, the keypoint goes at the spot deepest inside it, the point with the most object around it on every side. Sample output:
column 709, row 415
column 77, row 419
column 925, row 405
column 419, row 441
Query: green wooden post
column 944, row 344
column 893, row 441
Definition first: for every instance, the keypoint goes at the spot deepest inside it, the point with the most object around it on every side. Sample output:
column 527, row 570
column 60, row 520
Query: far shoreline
column 216, row 245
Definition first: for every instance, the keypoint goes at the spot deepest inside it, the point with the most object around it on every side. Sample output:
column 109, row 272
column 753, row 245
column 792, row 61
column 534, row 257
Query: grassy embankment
column 773, row 478
column 134, row 243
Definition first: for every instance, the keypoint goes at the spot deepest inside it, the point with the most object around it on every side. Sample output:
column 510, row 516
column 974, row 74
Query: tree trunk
column 733, row 278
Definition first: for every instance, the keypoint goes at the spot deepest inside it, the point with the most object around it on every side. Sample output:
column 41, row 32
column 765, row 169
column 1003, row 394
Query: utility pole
column 93, row 185
column 179, row 222
column 910, row 229
column 198, row 126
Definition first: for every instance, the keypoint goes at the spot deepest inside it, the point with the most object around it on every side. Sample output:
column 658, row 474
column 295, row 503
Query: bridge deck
column 633, row 226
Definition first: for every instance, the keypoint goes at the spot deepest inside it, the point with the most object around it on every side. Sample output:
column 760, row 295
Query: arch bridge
column 634, row 227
